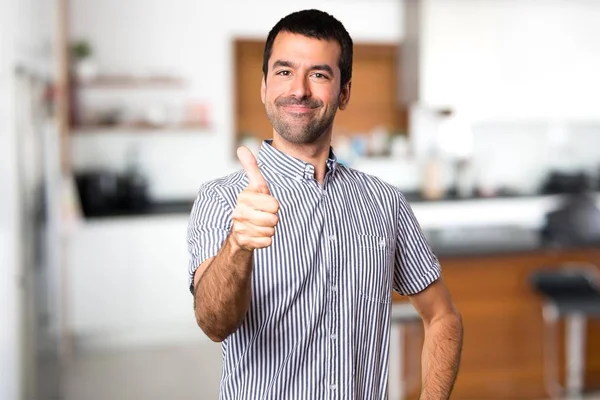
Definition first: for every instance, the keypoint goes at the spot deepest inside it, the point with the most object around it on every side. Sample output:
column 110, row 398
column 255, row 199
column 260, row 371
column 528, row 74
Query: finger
column 258, row 201
column 255, row 218
column 253, row 231
column 256, row 180
column 260, row 243
column 251, row 243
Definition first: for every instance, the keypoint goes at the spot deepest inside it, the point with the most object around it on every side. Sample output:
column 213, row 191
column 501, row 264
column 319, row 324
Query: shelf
column 131, row 82
column 83, row 129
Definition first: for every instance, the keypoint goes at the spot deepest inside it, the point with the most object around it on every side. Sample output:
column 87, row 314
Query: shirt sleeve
column 209, row 225
column 416, row 266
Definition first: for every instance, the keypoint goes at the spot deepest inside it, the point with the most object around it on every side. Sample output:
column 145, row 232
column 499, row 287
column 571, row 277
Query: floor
column 178, row 372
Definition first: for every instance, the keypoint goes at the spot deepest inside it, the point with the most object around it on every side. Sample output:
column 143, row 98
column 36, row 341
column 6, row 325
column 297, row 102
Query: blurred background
column 485, row 113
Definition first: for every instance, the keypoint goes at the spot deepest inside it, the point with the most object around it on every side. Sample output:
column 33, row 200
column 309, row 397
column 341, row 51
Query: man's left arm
column 418, row 275
column 440, row 359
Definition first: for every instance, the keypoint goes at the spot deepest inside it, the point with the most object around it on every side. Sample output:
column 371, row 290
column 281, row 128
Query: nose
column 300, row 87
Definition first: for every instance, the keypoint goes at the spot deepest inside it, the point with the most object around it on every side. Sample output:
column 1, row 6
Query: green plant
column 80, row 50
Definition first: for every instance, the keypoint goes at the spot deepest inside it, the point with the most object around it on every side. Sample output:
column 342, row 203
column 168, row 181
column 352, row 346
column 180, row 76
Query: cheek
column 331, row 99
column 325, row 93
column 275, row 88
column 271, row 94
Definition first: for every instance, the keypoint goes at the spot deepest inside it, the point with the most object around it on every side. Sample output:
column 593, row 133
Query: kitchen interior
column 485, row 114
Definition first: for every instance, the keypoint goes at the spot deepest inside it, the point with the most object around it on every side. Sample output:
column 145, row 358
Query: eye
column 319, row 75
column 283, row 73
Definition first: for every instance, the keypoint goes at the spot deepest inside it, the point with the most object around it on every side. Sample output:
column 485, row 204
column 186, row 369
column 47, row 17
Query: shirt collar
column 289, row 166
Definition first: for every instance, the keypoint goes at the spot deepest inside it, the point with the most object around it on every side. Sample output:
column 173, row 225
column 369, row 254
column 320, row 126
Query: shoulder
column 370, row 183
column 225, row 188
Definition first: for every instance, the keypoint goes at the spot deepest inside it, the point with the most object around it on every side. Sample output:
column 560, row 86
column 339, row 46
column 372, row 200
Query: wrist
column 236, row 249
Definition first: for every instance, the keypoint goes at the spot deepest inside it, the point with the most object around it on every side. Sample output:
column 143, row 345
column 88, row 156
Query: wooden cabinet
column 373, row 103
column 503, row 352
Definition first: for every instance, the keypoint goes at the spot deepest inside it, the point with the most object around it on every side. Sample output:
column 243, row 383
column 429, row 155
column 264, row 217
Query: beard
column 301, row 128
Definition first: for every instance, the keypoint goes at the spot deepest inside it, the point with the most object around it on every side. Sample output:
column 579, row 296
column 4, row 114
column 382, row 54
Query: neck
column 315, row 153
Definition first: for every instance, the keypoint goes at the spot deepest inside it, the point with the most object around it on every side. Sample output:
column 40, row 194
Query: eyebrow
column 289, row 64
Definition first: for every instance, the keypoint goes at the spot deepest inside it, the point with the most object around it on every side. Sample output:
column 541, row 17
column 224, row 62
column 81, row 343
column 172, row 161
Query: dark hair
column 318, row 25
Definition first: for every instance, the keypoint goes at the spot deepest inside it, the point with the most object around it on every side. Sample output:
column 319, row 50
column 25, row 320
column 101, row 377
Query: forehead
column 302, row 49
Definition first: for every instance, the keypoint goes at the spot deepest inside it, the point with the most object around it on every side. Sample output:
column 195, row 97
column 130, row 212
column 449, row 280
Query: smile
column 298, row 109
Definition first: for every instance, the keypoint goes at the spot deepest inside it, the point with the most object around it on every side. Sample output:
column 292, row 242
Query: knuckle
column 241, row 195
column 241, row 228
column 236, row 230
column 272, row 205
column 240, row 214
column 245, row 241
column 245, row 196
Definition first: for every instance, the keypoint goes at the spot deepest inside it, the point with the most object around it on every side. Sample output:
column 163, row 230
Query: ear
column 263, row 89
column 344, row 97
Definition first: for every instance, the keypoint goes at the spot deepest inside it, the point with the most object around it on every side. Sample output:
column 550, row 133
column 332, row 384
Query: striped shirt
column 319, row 318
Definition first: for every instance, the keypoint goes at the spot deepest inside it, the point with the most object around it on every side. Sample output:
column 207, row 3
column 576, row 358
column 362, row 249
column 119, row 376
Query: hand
column 255, row 214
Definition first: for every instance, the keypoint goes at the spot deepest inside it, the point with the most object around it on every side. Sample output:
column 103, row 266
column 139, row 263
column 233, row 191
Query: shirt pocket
column 373, row 256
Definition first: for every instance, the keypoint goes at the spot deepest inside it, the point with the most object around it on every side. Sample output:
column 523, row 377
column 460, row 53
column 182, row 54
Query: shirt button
column 332, row 237
column 334, row 288
column 333, row 337
column 333, row 387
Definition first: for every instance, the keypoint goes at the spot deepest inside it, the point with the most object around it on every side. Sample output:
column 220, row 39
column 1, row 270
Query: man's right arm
column 222, row 291
column 222, row 284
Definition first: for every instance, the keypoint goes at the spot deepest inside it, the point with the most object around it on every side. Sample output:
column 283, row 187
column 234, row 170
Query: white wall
column 195, row 38
column 512, row 59
column 516, row 67
column 10, row 302
column 521, row 69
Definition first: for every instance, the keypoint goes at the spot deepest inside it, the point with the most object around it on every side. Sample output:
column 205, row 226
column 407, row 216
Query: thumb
column 256, row 180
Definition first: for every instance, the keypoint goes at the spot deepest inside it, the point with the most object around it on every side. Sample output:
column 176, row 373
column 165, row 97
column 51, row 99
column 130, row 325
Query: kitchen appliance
column 559, row 182
column 103, row 192
column 98, row 192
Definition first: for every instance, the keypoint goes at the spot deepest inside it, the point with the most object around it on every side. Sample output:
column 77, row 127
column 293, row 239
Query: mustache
column 295, row 101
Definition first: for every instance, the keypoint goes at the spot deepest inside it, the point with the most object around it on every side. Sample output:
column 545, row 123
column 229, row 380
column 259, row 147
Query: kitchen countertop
column 473, row 241
column 158, row 208
column 445, row 242
column 184, row 206
column 494, row 240
column 492, row 232
column 417, row 197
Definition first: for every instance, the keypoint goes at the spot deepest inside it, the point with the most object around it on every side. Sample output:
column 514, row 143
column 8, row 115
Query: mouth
column 298, row 109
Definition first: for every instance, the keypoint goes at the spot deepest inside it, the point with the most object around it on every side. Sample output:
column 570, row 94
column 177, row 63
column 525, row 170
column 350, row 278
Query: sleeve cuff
column 423, row 282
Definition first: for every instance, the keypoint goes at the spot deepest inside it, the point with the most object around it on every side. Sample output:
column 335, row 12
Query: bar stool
column 402, row 314
column 572, row 292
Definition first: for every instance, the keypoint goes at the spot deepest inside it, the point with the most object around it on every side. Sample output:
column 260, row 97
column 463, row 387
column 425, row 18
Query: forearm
column 441, row 356
column 222, row 295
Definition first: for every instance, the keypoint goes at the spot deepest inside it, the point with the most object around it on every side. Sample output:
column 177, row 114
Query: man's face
column 301, row 91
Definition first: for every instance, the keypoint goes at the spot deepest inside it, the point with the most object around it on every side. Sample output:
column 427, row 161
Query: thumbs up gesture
column 255, row 213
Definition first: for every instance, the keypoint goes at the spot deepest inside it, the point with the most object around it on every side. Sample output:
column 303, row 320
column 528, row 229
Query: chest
column 330, row 238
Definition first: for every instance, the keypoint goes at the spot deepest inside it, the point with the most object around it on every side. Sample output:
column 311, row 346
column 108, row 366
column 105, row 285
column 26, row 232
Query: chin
column 301, row 138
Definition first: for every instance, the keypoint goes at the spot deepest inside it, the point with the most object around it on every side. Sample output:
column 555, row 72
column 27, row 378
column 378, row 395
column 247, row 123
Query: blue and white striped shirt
column 319, row 318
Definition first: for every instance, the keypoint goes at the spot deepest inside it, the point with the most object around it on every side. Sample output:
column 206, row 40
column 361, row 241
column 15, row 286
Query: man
column 293, row 260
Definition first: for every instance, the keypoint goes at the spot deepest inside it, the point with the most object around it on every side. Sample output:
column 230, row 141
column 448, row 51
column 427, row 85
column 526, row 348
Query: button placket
column 331, row 261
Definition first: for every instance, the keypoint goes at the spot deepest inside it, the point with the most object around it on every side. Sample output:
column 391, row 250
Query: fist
column 255, row 213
